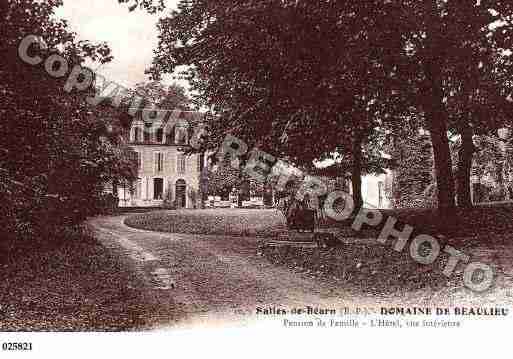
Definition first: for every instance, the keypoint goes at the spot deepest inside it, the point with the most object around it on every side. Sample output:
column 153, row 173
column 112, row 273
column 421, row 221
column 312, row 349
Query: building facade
column 167, row 175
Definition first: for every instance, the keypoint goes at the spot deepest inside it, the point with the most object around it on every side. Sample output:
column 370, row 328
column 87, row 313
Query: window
column 147, row 132
column 139, row 189
column 169, row 134
column 158, row 189
column 201, row 159
column 137, row 134
column 181, row 135
column 180, row 191
column 137, row 158
column 160, row 135
column 180, row 163
column 159, row 162
column 136, row 187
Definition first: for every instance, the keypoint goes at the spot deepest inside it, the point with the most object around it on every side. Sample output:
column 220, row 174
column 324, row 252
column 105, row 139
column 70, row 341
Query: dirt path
column 203, row 279
column 211, row 277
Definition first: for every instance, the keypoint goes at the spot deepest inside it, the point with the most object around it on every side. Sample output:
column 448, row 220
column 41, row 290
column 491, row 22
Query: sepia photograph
column 256, row 177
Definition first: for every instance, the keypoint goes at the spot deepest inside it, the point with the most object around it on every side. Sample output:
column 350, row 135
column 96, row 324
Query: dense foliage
column 57, row 152
column 305, row 79
column 414, row 185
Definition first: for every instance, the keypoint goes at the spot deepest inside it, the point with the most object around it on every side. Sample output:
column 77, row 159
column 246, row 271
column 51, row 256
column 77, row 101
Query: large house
column 166, row 174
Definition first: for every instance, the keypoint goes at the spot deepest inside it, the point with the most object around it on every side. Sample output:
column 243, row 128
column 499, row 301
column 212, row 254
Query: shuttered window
column 137, row 135
column 180, row 163
column 159, row 135
column 159, row 162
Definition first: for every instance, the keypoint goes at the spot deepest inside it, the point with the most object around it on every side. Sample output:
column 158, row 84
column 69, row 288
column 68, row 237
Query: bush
column 481, row 192
column 108, row 204
column 168, row 204
column 497, row 194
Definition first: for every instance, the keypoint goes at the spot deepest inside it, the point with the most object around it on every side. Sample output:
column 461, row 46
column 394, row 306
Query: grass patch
column 370, row 269
column 67, row 283
column 379, row 269
column 232, row 222
column 484, row 224
column 473, row 226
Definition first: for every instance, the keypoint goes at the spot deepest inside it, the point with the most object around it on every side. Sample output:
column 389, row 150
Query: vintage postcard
column 247, row 178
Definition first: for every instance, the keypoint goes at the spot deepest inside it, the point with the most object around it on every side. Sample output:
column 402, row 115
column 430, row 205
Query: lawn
column 466, row 227
column 68, row 283
column 234, row 222
column 377, row 269
column 368, row 269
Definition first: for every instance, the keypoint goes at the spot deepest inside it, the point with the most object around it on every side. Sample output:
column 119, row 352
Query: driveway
column 205, row 279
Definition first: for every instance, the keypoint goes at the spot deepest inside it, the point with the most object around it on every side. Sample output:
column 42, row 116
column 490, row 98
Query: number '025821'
column 16, row 346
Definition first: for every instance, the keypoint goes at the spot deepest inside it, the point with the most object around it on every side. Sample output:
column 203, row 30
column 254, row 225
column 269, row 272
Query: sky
column 132, row 36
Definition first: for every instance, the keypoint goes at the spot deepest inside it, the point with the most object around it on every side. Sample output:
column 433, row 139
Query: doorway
column 181, row 194
column 158, row 189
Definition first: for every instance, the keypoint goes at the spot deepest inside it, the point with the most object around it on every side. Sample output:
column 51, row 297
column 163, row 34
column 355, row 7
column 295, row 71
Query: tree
column 58, row 152
column 413, row 179
column 165, row 97
column 451, row 44
column 257, row 64
column 287, row 72
column 479, row 105
column 491, row 160
column 222, row 178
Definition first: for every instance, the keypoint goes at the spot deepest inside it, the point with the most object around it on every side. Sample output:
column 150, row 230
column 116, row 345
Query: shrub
column 497, row 194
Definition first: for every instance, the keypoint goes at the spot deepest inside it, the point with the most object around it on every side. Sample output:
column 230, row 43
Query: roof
column 191, row 117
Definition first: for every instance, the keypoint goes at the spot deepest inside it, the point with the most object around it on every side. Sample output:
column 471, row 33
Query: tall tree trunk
column 115, row 186
column 436, row 115
column 464, row 166
column 442, row 156
column 437, row 122
column 500, row 180
column 356, row 173
column 239, row 190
